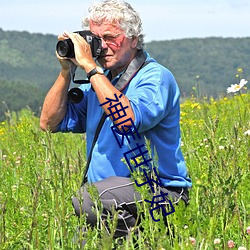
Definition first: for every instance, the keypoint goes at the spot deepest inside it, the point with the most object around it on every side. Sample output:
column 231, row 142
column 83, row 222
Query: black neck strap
column 136, row 64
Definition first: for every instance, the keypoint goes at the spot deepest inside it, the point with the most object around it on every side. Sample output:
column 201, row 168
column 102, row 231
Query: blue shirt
column 154, row 97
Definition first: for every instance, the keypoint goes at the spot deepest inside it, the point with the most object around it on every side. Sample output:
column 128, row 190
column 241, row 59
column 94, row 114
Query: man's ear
column 134, row 42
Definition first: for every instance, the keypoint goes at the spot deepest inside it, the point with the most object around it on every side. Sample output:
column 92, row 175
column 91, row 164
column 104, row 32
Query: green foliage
column 26, row 57
column 208, row 62
column 36, row 184
column 40, row 172
column 204, row 67
column 14, row 95
column 28, row 68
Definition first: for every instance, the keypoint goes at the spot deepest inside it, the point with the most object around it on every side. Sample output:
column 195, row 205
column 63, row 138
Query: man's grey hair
column 117, row 12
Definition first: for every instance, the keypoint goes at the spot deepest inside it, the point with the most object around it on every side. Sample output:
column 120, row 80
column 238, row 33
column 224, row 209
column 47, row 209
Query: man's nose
column 104, row 44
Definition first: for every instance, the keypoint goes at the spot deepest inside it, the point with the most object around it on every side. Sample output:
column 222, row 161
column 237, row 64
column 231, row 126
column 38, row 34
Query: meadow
column 40, row 172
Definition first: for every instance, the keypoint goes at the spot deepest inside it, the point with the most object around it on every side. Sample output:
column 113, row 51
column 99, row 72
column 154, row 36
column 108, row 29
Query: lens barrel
column 65, row 48
column 75, row 95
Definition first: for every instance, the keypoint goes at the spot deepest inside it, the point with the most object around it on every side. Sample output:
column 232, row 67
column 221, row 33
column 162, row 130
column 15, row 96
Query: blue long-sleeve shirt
column 154, row 97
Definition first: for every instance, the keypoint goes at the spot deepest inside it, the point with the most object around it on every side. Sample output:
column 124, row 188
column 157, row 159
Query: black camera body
column 65, row 48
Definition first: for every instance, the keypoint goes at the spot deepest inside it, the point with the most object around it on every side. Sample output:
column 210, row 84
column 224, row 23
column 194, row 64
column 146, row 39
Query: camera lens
column 65, row 48
column 75, row 95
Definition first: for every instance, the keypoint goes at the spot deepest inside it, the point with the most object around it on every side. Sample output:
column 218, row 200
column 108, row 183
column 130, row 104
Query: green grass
column 40, row 172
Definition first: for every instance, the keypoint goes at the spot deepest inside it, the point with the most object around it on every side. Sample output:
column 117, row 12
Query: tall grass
column 40, row 172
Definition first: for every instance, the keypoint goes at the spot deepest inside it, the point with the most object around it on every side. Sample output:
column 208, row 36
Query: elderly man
column 140, row 100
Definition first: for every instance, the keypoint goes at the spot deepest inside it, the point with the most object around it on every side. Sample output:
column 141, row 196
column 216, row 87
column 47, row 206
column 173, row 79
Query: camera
column 65, row 48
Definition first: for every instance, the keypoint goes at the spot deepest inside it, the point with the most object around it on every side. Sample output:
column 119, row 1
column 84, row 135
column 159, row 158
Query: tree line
column 202, row 67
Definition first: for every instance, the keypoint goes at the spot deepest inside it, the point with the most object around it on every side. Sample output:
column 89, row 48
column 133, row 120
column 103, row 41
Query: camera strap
column 136, row 64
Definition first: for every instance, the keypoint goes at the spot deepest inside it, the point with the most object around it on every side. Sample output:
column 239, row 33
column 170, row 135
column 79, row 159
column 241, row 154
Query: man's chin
column 105, row 63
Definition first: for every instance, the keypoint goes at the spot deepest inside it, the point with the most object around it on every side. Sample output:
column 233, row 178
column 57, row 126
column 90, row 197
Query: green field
column 40, row 172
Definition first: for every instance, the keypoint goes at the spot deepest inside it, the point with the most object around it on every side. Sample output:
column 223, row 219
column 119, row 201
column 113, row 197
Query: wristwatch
column 96, row 70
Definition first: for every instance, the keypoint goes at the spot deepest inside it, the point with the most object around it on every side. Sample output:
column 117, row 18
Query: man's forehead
column 104, row 25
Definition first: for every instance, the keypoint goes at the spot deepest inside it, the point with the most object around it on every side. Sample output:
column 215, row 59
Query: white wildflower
column 242, row 248
column 247, row 133
column 217, row 241
column 236, row 87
